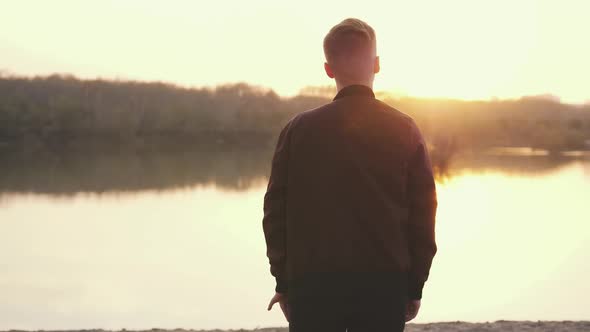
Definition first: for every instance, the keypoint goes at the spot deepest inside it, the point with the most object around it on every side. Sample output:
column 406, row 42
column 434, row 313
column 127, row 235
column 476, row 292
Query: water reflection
column 117, row 169
column 174, row 239
column 510, row 247
column 128, row 170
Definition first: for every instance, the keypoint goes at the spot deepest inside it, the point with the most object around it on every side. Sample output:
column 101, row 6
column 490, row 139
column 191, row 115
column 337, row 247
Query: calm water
column 143, row 243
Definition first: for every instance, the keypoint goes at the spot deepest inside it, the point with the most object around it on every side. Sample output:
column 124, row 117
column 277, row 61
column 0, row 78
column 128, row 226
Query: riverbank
column 498, row 326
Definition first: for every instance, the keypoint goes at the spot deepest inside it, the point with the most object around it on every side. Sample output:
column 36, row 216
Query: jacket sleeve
column 274, row 220
column 422, row 213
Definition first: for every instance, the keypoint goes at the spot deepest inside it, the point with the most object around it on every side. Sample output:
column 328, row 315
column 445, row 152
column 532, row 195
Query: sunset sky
column 459, row 48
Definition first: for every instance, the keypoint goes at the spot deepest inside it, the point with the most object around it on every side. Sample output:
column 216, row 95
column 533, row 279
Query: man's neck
column 342, row 85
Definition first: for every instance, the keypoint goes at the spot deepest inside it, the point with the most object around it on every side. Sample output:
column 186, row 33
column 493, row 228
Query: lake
column 175, row 241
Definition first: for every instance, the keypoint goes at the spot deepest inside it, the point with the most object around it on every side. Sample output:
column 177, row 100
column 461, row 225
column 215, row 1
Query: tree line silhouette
column 58, row 110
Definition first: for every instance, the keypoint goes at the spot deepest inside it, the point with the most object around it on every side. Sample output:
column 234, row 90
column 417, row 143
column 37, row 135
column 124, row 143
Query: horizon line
column 547, row 96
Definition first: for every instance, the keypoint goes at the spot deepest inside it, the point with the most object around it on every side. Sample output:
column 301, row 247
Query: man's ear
column 328, row 69
column 376, row 65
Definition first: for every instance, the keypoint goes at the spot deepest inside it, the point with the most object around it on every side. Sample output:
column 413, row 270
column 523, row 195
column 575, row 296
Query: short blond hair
column 351, row 37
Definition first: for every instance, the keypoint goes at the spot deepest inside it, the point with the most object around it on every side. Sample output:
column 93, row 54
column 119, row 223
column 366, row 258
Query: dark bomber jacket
column 351, row 189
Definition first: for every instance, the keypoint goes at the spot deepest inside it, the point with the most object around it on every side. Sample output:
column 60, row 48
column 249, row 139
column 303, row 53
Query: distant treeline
column 58, row 110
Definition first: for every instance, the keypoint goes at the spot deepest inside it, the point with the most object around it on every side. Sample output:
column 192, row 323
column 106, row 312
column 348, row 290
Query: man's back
column 350, row 206
column 350, row 170
column 346, row 202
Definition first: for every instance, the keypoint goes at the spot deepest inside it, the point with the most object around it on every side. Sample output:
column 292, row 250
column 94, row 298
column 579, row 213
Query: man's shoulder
column 376, row 105
column 308, row 115
column 370, row 103
column 409, row 123
column 395, row 113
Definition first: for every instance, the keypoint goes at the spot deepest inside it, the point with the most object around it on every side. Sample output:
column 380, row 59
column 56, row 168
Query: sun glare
column 455, row 49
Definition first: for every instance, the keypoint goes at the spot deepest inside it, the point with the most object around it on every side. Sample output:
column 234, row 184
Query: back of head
column 350, row 48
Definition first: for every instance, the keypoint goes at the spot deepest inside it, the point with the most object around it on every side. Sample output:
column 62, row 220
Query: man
column 350, row 207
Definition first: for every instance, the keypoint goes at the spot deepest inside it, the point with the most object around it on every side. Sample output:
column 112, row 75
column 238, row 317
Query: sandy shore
column 498, row 326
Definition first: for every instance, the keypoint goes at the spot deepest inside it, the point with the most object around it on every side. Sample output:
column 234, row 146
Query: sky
column 465, row 49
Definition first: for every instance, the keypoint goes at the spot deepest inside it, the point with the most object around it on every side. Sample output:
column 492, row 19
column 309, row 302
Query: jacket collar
column 355, row 90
